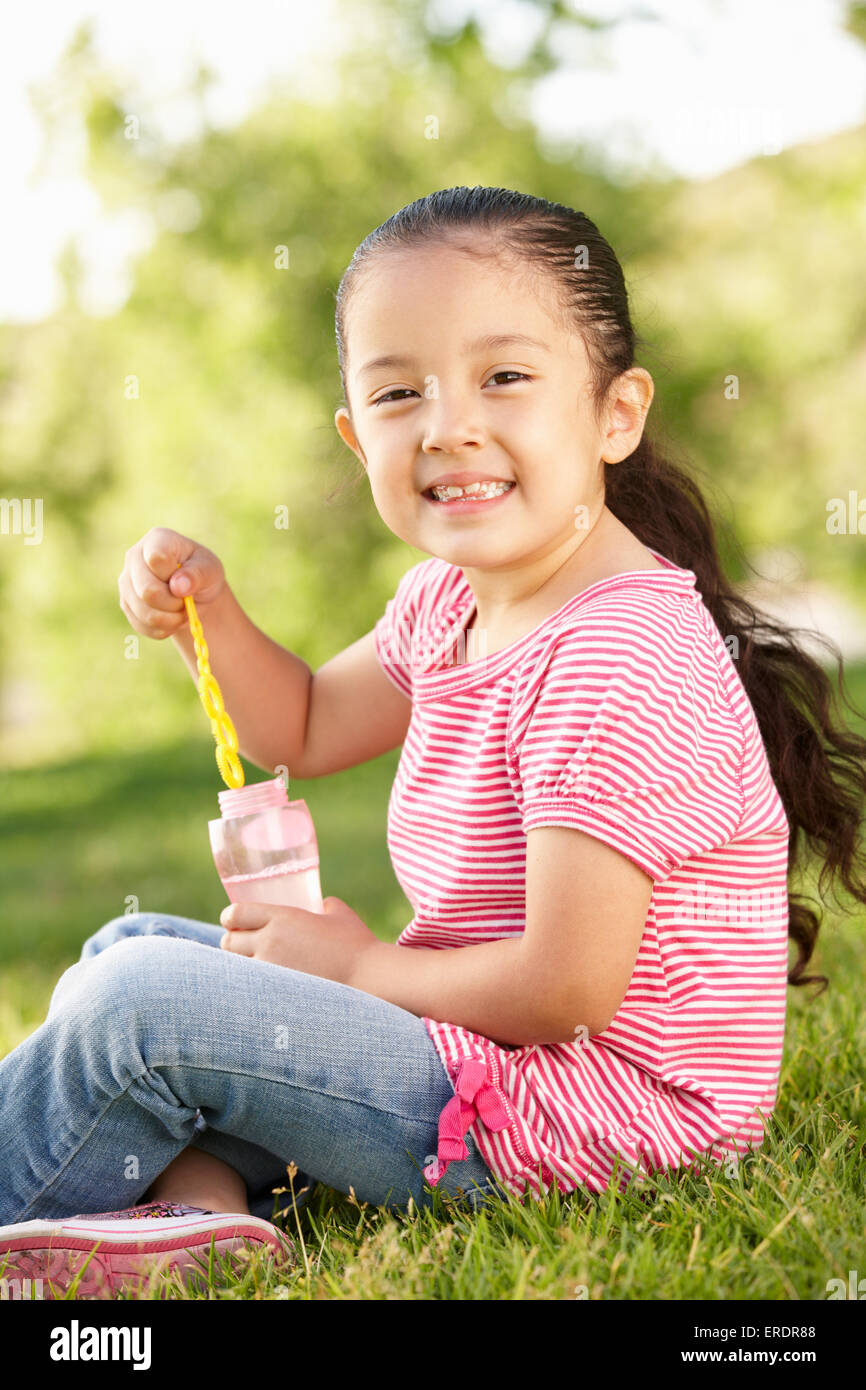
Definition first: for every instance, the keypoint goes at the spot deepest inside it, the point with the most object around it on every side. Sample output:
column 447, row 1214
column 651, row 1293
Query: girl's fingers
column 246, row 916
column 240, row 943
column 150, row 566
column 148, row 587
column 147, row 602
column 148, row 621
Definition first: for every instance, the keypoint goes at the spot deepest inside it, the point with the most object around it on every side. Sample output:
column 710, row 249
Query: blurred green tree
column 206, row 402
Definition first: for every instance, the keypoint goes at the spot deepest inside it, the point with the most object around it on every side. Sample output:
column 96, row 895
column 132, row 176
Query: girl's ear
column 343, row 422
column 630, row 399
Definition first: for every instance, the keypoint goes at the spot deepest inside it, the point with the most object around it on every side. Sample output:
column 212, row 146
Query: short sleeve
column 623, row 730
column 393, row 631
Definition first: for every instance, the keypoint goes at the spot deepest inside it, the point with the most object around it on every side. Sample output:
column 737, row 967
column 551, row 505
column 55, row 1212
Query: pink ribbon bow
column 474, row 1096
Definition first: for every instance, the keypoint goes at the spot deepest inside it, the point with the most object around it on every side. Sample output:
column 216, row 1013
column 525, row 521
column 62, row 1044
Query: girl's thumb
column 181, row 582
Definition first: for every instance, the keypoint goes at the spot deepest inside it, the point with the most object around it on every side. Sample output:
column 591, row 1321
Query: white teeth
column 484, row 490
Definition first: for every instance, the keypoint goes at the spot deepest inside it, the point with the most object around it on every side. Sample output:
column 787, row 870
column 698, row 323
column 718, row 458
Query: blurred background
column 184, row 186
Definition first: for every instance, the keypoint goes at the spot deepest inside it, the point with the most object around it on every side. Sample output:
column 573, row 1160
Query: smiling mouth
column 476, row 498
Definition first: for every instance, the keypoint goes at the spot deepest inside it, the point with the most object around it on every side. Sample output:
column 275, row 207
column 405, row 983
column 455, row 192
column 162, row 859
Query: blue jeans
column 154, row 1041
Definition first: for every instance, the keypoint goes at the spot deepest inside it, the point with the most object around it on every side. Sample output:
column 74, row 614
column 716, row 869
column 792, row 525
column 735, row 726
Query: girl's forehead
column 397, row 284
column 483, row 264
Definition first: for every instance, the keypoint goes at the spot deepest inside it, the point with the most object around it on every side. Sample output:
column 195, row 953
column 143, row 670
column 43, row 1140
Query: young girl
column 609, row 762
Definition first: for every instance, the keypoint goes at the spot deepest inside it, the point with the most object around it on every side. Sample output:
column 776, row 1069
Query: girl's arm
column 586, row 907
column 287, row 715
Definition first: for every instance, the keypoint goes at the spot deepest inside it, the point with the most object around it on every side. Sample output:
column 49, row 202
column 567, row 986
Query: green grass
column 81, row 837
column 86, row 840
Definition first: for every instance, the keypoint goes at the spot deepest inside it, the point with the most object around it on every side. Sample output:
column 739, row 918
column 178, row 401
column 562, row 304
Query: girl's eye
column 404, row 390
column 390, row 395
column 520, row 376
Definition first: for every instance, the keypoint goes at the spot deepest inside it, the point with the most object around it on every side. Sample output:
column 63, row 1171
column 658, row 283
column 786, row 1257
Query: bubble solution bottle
column 264, row 847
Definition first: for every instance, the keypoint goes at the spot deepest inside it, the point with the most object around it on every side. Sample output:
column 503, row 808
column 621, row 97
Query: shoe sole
column 126, row 1255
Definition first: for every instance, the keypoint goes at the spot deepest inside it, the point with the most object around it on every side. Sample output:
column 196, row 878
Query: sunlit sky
column 694, row 86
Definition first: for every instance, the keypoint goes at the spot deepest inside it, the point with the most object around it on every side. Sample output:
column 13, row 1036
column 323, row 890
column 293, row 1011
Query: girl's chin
column 473, row 552
column 437, row 537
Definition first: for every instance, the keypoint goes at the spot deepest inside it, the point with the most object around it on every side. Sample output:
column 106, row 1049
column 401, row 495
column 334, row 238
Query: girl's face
column 436, row 393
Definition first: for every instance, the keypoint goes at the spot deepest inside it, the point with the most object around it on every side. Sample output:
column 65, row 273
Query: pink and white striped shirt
column 623, row 716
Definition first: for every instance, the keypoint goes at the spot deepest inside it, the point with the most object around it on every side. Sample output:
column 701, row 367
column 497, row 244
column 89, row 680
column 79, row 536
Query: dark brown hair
column 817, row 764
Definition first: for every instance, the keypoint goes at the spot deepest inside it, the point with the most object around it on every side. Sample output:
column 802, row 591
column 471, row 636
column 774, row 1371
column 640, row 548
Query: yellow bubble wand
column 223, row 729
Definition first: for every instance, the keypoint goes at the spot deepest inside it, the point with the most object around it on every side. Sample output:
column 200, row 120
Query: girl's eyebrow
column 488, row 341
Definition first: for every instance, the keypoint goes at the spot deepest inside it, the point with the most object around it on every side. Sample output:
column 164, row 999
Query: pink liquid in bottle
column 264, row 847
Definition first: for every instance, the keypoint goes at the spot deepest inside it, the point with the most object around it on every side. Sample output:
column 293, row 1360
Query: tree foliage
column 206, row 402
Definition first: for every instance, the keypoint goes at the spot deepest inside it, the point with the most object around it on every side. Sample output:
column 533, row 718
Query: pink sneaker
column 40, row 1259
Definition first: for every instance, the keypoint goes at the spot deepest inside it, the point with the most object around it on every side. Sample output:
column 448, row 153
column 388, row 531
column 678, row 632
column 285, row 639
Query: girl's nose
column 451, row 425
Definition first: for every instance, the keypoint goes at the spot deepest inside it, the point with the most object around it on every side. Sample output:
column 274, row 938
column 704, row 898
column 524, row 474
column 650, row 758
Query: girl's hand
column 152, row 587
column 318, row 943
